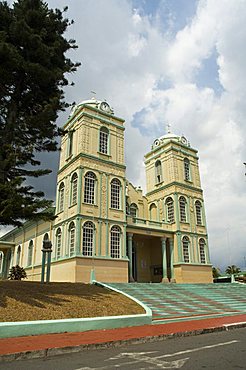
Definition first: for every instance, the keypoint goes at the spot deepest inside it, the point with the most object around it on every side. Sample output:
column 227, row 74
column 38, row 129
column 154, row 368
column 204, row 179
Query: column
column 164, row 260
column 130, row 256
column 173, row 280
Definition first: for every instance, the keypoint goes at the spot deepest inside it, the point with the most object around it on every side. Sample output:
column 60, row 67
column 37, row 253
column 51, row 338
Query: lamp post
column 47, row 249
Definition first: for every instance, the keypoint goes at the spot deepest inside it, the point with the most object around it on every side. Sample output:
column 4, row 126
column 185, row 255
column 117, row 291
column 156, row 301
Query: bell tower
column 91, row 220
column 174, row 192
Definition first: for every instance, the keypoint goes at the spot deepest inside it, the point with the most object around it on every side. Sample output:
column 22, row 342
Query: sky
column 178, row 62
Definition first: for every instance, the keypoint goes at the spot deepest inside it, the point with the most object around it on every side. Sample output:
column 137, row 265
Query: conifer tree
column 33, row 68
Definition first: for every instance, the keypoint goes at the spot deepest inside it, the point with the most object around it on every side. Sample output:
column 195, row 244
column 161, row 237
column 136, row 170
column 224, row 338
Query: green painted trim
column 172, row 145
column 85, row 216
column 176, row 207
column 94, row 158
column 107, row 195
column 204, row 222
column 197, row 248
column 100, row 238
column 78, row 236
column 188, row 209
column 77, row 116
column 192, row 263
column 145, row 307
column 107, row 239
column 79, row 190
column 26, row 226
column 124, row 246
column 192, row 250
column 174, row 183
column 24, row 328
column 171, row 246
column 100, row 196
column 180, row 254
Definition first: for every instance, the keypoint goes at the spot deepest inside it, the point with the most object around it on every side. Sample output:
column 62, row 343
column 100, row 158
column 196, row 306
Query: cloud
column 149, row 62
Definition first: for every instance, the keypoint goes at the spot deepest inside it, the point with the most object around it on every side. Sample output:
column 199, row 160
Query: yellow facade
column 104, row 226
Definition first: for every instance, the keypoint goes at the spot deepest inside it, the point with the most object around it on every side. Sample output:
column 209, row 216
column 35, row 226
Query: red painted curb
column 48, row 341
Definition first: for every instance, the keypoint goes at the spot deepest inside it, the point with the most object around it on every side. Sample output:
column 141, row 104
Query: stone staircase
column 174, row 302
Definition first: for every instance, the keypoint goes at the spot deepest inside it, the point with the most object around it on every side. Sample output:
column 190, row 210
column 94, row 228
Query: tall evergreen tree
column 33, row 69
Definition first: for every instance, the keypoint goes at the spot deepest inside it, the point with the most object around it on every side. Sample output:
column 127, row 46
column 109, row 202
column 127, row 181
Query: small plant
column 17, row 273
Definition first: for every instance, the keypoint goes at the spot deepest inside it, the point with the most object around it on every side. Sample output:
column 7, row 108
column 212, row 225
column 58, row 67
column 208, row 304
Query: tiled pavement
column 178, row 302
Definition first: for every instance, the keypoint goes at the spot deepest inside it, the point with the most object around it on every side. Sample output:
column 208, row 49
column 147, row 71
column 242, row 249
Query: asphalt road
column 220, row 351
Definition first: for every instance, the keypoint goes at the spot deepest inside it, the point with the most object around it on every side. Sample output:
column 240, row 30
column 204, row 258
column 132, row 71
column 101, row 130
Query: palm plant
column 232, row 270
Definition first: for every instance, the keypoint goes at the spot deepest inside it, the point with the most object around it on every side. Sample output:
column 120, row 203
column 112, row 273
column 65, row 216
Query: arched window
column 115, row 194
column 1, row 261
column 153, row 212
column 198, row 206
column 158, row 172
column 88, row 234
column 182, row 209
column 202, row 250
column 187, row 169
column 58, row 243
column 133, row 210
column 30, row 253
column 186, row 254
column 103, row 140
column 170, row 209
column 18, row 255
column 89, row 193
column 71, row 231
column 115, row 242
column 70, row 143
column 61, row 197
column 74, row 188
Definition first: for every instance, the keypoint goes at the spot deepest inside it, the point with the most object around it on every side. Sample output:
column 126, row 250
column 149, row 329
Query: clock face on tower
column 184, row 140
column 104, row 106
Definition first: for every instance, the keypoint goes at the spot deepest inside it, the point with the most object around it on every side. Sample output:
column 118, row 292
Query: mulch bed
column 28, row 301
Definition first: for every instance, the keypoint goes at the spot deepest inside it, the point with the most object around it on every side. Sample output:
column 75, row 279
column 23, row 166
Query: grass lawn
column 27, row 301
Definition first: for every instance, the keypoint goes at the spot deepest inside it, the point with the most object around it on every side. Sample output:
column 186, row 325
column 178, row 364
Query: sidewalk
column 55, row 344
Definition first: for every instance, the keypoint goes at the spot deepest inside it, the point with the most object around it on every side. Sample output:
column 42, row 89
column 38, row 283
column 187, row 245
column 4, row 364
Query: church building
column 107, row 229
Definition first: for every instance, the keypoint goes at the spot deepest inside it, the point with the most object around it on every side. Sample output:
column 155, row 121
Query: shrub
column 17, row 273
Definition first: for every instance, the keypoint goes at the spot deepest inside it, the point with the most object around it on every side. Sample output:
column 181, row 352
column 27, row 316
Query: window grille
column 88, row 232
column 133, row 210
column 58, row 243
column 158, row 172
column 186, row 243
column 71, row 239
column 187, row 169
column 115, row 242
column 74, row 188
column 115, row 194
column 182, row 209
column 103, row 140
column 61, row 197
column 70, row 143
column 198, row 212
column 89, row 193
column 170, row 209
column 202, row 251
